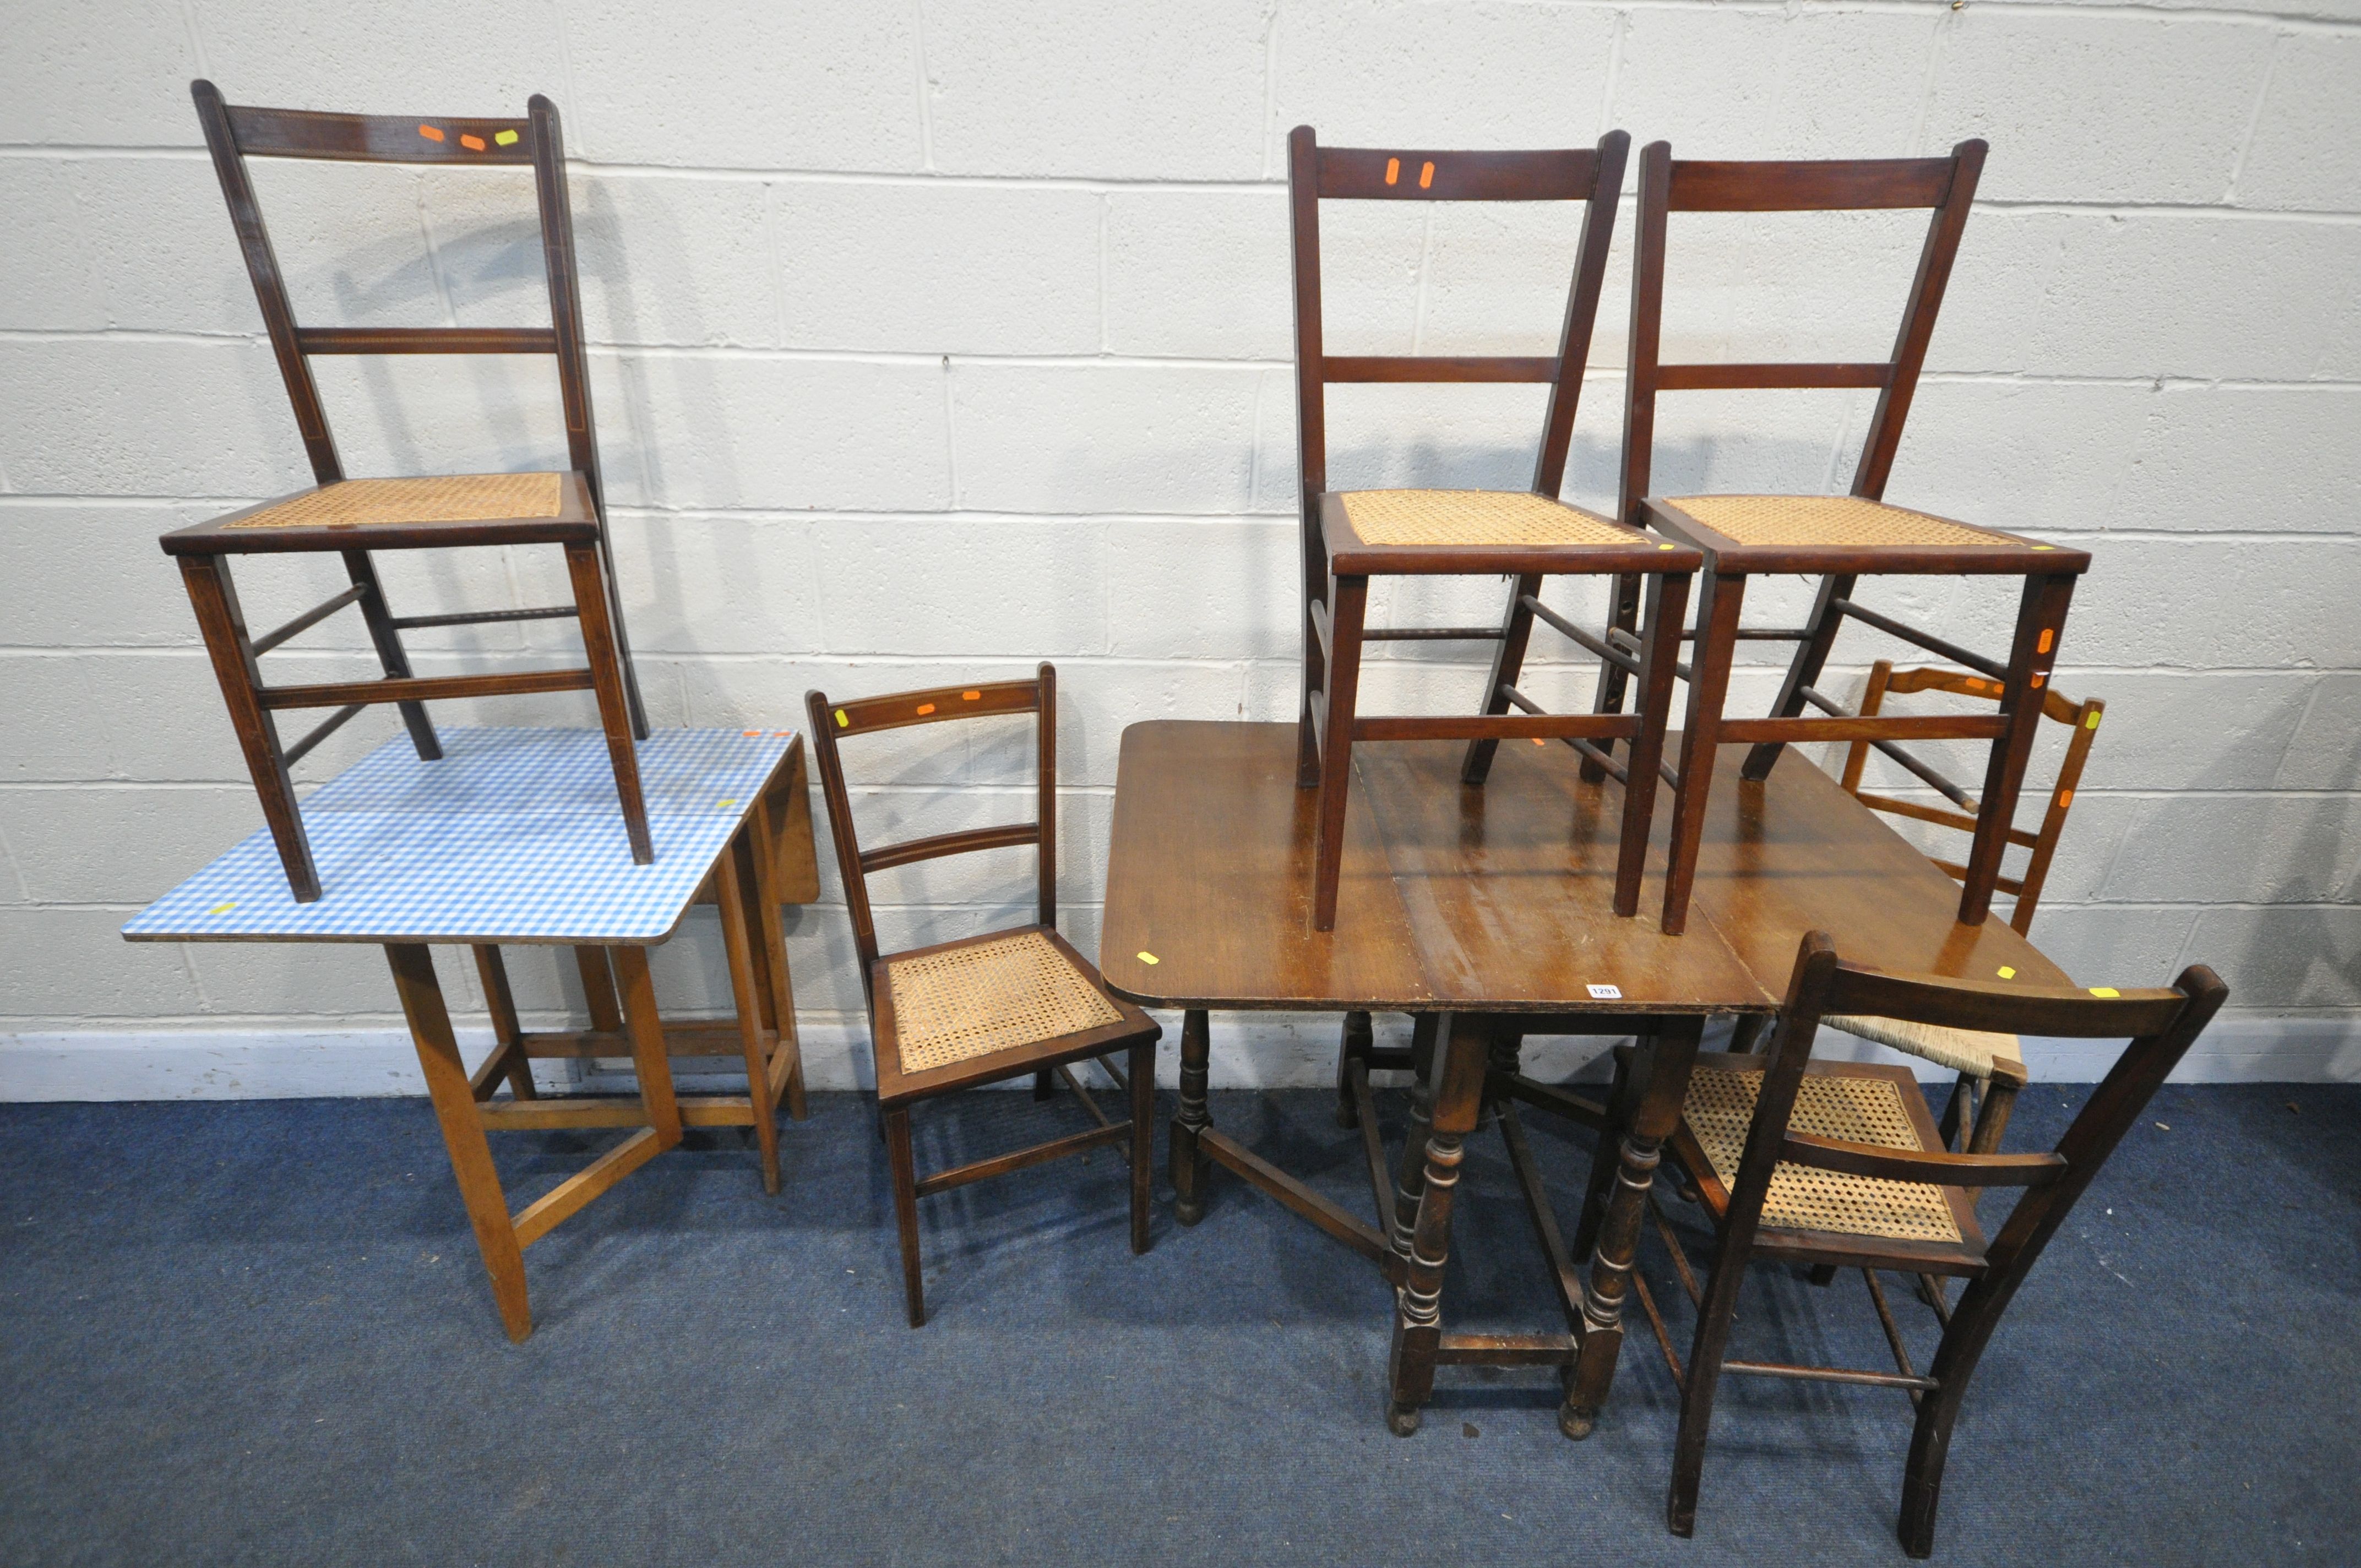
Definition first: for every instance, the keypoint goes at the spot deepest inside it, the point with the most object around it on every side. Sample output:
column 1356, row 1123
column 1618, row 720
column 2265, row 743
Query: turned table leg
column 1458, row 1094
column 1188, row 1165
column 1656, row 1112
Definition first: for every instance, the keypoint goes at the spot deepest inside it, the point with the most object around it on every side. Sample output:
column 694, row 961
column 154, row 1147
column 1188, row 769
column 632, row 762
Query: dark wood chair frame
column 1947, row 185
column 1338, row 564
column 2160, row 1025
column 1047, row 1060
column 234, row 134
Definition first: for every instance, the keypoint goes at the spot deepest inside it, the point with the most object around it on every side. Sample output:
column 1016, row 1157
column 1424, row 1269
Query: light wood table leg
column 1460, row 1063
column 463, row 1132
column 1656, row 1114
column 747, row 990
column 649, row 1059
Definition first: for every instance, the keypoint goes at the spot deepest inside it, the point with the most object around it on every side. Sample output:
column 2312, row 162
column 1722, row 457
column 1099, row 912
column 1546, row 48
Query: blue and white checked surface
column 515, row 835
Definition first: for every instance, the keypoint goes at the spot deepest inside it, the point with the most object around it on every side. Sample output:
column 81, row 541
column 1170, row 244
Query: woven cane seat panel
column 1839, row 521
column 1474, row 518
column 1856, row 1110
column 1970, row 1051
column 450, row 497
column 964, row 1003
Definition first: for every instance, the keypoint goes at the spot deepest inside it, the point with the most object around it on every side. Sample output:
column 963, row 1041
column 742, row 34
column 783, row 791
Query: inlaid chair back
column 1350, row 536
column 1835, row 538
column 983, row 1009
column 1835, row 1166
column 2082, row 720
column 353, row 517
column 835, row 722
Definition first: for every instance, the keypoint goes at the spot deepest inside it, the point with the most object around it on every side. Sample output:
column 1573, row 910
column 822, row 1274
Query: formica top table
column 1486, row 911
column 514, row 836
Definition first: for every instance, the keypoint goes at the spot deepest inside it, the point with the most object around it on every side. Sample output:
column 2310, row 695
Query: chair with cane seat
column 1839, row 539
column 1990, row 1066
column 353, row 517
column 1349, row 537
column 1839, row 1164
column 985, row 1009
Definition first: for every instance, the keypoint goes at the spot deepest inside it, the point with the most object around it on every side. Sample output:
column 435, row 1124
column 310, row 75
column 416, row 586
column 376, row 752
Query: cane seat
column 957, row 1003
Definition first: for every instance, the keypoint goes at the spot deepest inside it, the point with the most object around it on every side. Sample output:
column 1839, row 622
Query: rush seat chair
column 1014, row 1003
column 351, row 517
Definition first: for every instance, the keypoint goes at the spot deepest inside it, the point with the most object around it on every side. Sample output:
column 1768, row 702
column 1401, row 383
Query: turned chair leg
column 905, row 1210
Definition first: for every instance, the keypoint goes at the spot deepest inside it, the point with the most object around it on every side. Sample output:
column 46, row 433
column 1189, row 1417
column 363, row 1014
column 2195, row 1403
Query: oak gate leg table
column 513, row 837
column 1486, row 912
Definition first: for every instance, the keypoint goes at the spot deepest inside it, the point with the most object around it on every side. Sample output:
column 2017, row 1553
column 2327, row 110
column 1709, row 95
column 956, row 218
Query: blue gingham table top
column 515, row 835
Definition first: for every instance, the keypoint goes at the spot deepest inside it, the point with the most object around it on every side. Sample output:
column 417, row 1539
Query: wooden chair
column 354, row 517
column 983, row 1009
column 1838, row 539
column 1990, row 1066
column 1350, row 536
column 1839, row 1164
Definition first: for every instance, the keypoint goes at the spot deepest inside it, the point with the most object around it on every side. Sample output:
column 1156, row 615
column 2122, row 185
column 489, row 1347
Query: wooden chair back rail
column 426, row 339
column 1945, row 185
column 2083, row 721
column 2161, row 1024
column 832, row 721
column 1373, row 174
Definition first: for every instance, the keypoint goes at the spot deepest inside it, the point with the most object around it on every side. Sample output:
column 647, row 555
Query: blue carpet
column 259, row 1332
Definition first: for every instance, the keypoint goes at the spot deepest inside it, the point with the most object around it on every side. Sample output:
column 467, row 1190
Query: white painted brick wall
column 931, row 338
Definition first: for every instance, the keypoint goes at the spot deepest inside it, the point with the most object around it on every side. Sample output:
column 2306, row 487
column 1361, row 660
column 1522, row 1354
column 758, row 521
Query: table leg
column 1188, row 1165
column 731, row 875
column 462, row 1130
column 1656, row 1111
column 1417, row 1305
column 649, row 1059
column 1411, row 1180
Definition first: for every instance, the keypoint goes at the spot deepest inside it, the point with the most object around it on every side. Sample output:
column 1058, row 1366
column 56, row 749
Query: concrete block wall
column 933, row 337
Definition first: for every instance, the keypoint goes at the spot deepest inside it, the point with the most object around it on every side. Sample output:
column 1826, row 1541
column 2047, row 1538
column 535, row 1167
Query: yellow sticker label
column 2105, row 991
column 842, row 722
column 2006, row 972
column 1664, row 548
column 2092, row 722
column 506, row 138
column 221, row 908
column 725, row 803
column 1146, row 958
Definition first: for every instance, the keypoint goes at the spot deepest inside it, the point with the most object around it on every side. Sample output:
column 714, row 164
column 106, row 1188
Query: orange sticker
column 1393, row 170
column 1539, row 742
column 2065, row 798
column 2047, row 637
column 781, row 734
column 2040, row 680
column 971, row 697
column 505, row 139
column 750, row 734
column 473, row 144
column 1426, row 177
column 925, row 708
column 431, row 133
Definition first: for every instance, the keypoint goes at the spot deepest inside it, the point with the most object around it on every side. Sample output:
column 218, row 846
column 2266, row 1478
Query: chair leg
column 632, row 701
column 1803, row 670
column 1508, row 663
column 386, row 638
column 1348, row 602
column 607, row 681
column 1045, row 1085
column 1992, row 1117
column 1720, row 599
column 2040, row 621
column 1143, row 1139
column 232, row 652
column 1668, row 603
column 1357, row 1041
column 905, row 1210
column 1608, row 695
column 1745, row 1034
column 1958, row 1110
column 1704, row 1372
column 1315, row 662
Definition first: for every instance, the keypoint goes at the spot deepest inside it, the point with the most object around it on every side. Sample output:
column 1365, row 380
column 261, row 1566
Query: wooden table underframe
column 1485, row 913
